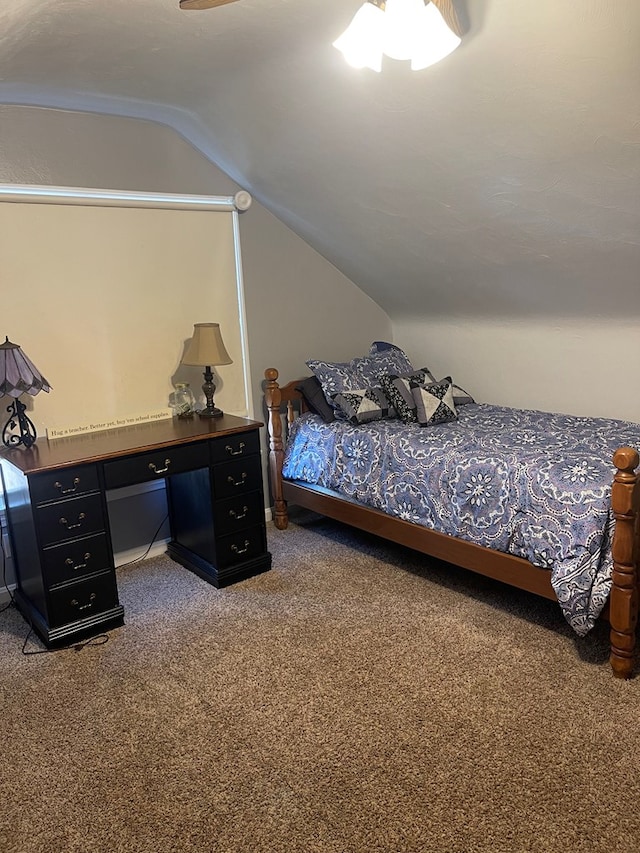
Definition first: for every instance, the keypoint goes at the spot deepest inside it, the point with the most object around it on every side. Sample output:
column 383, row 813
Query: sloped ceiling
column 503, row 181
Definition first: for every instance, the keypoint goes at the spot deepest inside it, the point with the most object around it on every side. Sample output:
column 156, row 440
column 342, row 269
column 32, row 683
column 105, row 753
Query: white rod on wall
column 243, row 315
column 113, row 198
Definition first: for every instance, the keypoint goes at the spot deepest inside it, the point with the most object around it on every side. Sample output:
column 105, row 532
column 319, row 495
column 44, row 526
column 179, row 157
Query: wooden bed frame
column 285, row 403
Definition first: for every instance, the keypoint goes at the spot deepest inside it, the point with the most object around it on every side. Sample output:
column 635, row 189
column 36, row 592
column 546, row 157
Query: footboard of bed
column 284, row 403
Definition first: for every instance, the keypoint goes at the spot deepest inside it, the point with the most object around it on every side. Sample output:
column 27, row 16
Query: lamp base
column 19, row 431
column 209, row 388
column 212, row 412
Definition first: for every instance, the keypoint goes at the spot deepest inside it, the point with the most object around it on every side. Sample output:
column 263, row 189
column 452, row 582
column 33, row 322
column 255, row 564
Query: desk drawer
column 70, row 519
column 231, row 447
column 237, row 478
column 156, row 465
column 241, row 547
column 74, row 560
column 238, row 513
column 65, row 483
column 85, row 598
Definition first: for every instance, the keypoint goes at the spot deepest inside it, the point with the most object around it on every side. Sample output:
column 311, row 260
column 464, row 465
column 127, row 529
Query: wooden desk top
column 49, row 454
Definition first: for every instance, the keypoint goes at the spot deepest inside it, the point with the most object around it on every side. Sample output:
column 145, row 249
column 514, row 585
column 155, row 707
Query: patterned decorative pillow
column 363, row 405
column 369, row 368
column 338, row 377
column 382, row 346
column 434, row 402
column 397, row 390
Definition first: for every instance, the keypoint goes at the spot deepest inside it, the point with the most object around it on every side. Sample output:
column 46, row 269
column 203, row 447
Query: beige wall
column 108, row 332
column 574, row 366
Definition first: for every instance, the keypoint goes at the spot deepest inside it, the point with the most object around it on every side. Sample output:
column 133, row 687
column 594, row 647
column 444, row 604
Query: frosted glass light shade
column 361, row 42
column 434, row 40
column 403, row 29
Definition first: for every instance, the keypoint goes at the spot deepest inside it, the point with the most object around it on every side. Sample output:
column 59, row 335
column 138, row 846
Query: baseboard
column 268, row 513
column 156, row 550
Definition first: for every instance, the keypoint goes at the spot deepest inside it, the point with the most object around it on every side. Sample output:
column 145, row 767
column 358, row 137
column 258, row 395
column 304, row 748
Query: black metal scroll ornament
column 18, row 430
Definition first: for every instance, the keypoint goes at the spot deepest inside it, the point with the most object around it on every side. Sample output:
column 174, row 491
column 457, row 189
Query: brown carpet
column 356, row 698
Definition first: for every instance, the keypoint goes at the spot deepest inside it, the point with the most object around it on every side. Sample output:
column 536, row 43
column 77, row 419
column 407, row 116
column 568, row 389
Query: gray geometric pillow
column 362, row 405
column 397, row 390
column 434, row 402
column 460, row 396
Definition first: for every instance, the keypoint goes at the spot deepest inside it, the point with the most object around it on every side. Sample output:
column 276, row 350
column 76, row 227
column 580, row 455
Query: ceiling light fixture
column 401, row 29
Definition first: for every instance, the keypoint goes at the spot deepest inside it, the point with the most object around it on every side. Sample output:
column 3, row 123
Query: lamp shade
column 18, row 374
column 434, row 39
column 206, row 346
column 361, row 42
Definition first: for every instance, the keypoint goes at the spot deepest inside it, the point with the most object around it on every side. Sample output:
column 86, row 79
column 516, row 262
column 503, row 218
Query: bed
column 590, row 514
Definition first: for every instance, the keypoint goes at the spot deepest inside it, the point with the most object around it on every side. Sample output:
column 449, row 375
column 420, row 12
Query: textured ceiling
column 503, row 181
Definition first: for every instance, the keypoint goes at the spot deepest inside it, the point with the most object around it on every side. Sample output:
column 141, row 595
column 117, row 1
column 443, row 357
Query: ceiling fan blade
column 448, row 12
column 203, row 4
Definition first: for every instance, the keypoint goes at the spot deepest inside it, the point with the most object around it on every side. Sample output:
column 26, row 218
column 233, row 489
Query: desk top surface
column 49, row 454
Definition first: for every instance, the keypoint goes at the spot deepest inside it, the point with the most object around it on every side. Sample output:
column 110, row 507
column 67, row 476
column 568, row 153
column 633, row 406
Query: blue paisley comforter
column 528, row 483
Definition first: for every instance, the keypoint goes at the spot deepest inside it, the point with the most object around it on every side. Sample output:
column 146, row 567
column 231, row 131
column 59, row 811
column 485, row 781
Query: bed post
column 273, row 399
column 623, row 601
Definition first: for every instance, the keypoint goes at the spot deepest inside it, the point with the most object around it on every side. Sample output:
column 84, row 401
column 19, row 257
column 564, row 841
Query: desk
column 55, row 496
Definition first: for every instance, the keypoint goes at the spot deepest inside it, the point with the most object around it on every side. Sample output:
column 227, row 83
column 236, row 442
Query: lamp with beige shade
column 205, row 349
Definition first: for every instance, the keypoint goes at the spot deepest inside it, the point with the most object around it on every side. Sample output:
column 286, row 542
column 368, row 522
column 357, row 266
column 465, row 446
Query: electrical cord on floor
column 149, row 547
column 97, row 640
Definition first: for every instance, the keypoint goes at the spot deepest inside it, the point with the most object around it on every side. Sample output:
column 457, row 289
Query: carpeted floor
column 355, row 699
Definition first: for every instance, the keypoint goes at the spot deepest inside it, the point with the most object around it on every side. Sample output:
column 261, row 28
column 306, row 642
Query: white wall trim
column 158, row 548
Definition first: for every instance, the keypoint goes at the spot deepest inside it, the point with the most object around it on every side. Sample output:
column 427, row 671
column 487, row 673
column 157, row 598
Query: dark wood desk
column 55, row 495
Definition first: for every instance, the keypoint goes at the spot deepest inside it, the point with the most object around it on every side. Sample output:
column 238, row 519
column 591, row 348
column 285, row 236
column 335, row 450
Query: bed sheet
column 529, row 483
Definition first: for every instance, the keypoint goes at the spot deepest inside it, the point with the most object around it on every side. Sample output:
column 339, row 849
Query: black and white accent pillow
column 362, row 405
column 397, row 390
column 434, row 402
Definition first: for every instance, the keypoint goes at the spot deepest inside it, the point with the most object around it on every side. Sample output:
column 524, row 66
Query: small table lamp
column 206, row 348
column 18, row 375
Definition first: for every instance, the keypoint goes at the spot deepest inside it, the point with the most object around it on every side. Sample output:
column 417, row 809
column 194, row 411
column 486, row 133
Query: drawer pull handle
column 242, row 550
column 152, row 467
column 76, row 566
column 87, row 606
column 237, row 515
column 237, row 452
column 76, row 483
column 63, row 521
column 239, row 482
